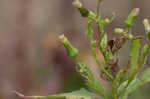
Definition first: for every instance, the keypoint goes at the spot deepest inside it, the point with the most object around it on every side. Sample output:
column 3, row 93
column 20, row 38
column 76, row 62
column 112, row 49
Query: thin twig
column 35, row 97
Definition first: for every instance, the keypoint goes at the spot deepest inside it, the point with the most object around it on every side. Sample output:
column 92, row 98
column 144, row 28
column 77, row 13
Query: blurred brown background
column 32, row 60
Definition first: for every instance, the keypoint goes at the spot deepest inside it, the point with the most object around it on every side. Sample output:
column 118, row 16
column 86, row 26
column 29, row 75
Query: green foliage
column 97, row 87
column 135, row 84
column 134, row 54
column 123, row 80
column 140, row 81
column 79, row 94
column 144, row 54
column 103, row 42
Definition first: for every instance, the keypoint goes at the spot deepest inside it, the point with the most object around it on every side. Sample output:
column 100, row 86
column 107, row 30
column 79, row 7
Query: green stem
column 106, row 60
column 42, row 97
column 99, row 63
column 36, row 97
column 98, row 7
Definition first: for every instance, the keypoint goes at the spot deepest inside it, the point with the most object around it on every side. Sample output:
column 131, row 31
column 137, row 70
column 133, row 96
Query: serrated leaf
column 79, row 94
column 134, row 54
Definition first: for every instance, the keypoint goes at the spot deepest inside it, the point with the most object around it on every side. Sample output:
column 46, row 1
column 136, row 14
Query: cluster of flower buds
column 71, row 51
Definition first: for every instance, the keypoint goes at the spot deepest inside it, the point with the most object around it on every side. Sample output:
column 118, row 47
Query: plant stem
column 99, row 63
column 98, row 7
column 36, row 97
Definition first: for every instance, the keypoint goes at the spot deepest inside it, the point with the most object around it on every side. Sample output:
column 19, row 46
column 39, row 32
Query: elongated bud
column 118, row 30
column 83, row 11
column 146, row 25
column 129, row 22
column 71, row 51
column 147, row 28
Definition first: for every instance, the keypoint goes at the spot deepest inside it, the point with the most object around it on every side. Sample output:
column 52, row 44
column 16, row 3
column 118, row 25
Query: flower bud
column 130, row 36
column 106, row 21
column 118, row 30
column 77, row 4
column 147, row 28
column 129, row 22
column 146, row 25
column 83, row 11
column 71, row 51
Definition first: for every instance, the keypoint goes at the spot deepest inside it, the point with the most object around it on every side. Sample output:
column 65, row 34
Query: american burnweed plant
column 124, row 80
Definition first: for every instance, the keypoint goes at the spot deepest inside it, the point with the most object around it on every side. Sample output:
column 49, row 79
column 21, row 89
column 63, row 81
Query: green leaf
column 97, row 87
column 126, row 92
column 116, row 83
column 102, row 47
column 144, row 55
column 91, row 82
column 103, row 43
column 134, row 54
column 144, row 78
column 79, row 94
column 136, row 83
